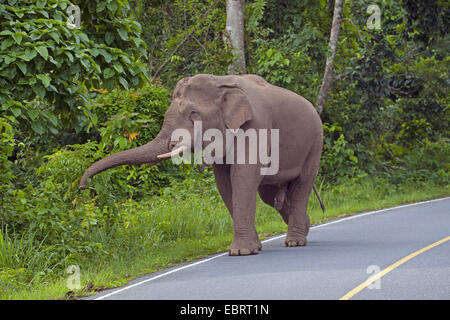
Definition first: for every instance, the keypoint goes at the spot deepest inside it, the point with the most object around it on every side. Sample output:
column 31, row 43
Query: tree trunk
column 235, row 34
column 328, row 75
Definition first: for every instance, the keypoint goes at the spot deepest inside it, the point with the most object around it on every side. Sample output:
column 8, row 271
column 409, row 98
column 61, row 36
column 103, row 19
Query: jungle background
column 69, row 97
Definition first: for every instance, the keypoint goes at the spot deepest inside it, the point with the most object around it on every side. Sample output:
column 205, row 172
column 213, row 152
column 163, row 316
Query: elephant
column 242, row 102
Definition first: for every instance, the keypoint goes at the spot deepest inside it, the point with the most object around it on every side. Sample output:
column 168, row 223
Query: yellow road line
column 390, row 268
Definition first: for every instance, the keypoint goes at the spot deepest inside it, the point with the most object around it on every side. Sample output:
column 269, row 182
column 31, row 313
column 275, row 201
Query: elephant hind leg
column 297, row 197
column 298, row 219
column 293, row 210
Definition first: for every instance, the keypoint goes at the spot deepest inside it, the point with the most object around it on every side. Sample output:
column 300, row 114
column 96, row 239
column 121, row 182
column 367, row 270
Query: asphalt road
column 340, row 256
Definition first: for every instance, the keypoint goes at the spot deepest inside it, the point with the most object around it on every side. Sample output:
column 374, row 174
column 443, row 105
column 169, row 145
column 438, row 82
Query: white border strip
column 271, row 239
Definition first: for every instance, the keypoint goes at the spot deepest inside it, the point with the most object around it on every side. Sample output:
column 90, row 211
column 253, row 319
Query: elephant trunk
column 144, row 154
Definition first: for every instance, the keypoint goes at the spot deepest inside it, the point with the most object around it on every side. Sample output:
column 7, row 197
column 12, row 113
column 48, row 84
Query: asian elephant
column 226, row 104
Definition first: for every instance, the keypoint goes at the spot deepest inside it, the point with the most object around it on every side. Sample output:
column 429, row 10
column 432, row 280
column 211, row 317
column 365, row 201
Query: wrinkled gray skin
column 246, row 101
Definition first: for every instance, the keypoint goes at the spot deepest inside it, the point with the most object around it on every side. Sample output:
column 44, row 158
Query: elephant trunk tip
column 83, row 183
column 82, row 187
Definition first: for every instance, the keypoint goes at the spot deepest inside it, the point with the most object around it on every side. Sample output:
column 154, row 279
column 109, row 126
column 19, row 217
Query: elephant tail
column 318, row 197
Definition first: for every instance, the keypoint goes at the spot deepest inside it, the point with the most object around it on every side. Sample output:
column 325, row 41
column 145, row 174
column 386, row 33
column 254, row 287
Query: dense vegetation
column 70, row 96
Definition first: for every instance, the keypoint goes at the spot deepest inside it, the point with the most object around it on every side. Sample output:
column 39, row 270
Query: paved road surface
column 340, row 255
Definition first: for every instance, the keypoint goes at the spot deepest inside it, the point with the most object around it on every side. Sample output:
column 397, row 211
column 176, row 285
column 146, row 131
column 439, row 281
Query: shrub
column 338, row 158
column 6, row 148
column 428, row 161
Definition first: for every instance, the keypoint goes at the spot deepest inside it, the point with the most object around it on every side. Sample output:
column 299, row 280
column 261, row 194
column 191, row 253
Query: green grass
column 167, row 231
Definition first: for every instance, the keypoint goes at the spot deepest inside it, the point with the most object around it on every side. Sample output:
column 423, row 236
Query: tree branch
column 172, row 54
column 328, row 74
column 161, row 67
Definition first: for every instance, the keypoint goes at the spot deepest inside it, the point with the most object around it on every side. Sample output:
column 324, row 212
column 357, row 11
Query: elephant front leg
column 223, row 182
column 244, row 182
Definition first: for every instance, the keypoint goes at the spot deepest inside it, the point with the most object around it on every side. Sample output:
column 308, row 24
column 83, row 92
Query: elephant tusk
column 172, row 153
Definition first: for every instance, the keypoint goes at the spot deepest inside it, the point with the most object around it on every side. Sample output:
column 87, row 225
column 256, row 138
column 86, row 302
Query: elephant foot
column 258, row 241
column 244, row 248
column 242, row 252
column 297, row 241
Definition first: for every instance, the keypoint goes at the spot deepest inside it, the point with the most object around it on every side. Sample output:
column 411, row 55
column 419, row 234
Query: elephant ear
column 235, row 106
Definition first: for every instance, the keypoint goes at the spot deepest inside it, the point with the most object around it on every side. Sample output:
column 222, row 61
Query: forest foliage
column 70, row 96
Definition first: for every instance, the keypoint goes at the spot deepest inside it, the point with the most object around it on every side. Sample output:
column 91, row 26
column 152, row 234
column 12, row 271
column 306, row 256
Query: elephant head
column 219, row 102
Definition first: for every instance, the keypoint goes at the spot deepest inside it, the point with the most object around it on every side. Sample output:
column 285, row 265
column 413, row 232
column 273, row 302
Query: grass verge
column 168, row 231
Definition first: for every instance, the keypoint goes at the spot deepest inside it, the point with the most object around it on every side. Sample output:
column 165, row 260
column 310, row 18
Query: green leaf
column 112, row 7
column 83, row 37
column 125, row 59
column 106, row 55
column 101, row 5
column 123, row 143
column 134, row 70
column 22, row 66
column 109, row 73
column 39, row 90
column 69, row 55
column 53, row 130
column 123, row 34
column 37, row 127
column 33, row 114
column 53, row 119
column 85, row 63
column 30, row 53
column 42, row 51
column 118, row 67
column 45, row 79
column 124, row 83
column 41, row 3
column 94, row 52
column 35, row 35
column 109, row 37
column 6, row 44
column 16, row 111
column 17, row 37
column 9, row 59
column 55, row 36
column 52, row 88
